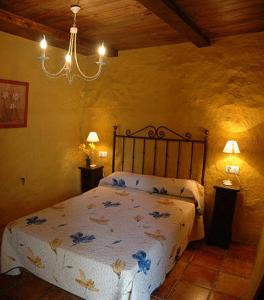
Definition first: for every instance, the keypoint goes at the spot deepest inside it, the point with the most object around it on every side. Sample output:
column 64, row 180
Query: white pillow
column 160, row 185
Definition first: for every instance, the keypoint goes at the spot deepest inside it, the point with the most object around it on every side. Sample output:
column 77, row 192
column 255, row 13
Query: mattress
column 113, row 242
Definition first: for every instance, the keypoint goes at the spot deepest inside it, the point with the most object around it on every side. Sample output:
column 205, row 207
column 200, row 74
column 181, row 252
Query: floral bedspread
column 109, row 243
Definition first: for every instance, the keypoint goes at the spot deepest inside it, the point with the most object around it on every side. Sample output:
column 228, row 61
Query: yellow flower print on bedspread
column 36, row 260
column 90, row 206
column 101, row 220
column 165, row 202
column 11, row 258
column 54, row 244
column 86, row 283
column 59, row 206
column 124, row 193
column 157, row 236
column 138, row 218
column 118, row 266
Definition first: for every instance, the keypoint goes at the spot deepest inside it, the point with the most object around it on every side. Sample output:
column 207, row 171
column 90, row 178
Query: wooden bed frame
column 157, row 134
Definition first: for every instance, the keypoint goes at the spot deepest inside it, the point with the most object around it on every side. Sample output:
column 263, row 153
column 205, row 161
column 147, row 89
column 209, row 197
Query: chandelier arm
column 87, row 78
column 52, row 75
column 59, row 73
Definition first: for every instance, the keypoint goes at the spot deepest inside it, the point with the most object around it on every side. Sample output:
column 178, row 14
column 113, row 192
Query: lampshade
column 92, row 137
column 231, row 147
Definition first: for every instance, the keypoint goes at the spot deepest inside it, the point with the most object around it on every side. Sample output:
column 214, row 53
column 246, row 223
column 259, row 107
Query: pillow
column 160, row 185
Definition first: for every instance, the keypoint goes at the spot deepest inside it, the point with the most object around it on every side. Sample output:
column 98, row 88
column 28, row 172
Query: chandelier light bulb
column 102, row 50
column 43, row 43
column 68, row 58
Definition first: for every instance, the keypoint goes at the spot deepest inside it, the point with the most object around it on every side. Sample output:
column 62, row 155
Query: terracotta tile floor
column 203, row 273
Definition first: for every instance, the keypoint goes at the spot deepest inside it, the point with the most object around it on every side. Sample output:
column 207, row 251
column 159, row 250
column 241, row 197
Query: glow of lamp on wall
column 231, row 148
column 91, row 139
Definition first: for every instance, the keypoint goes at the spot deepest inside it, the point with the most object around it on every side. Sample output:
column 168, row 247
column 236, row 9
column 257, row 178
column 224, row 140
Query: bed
column 117, row 241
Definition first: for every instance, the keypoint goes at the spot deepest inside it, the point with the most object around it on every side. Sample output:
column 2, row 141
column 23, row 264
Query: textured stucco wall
column 183, row 87
column 220, row 88
column 46, row 152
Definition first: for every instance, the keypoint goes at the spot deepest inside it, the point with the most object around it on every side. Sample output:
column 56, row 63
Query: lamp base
column 88, row 161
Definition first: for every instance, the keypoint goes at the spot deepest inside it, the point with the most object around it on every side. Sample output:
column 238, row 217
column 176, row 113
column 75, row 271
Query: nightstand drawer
column 221, row 226
column 90, row 177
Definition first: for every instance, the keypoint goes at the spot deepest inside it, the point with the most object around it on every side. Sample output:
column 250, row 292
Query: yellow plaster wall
column 183, row 87
column 46, row 152
column 220, row 88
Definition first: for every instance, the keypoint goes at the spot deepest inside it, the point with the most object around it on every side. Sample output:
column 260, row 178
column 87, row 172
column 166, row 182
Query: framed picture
column 13, row 103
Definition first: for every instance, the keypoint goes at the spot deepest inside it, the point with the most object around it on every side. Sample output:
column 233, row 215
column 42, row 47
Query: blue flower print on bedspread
column 110, row 204
column 143, row 262
column 119, row 182
column 35, row 221
column 79, row 238
column 161, row 191
column 157, row 214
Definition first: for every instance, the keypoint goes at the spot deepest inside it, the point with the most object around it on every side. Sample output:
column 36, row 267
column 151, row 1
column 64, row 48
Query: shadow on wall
column 249, row 207
column 252, row 142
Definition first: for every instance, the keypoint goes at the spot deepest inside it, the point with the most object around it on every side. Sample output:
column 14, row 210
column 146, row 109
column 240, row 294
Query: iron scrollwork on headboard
column 158, row 133
column 151, row 132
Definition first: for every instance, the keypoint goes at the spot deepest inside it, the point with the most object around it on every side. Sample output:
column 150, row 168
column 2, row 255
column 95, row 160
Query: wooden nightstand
column 90, row 177
column 221, row 226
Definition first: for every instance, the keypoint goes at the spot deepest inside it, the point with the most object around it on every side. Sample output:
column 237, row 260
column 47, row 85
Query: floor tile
column 237, row 267
column 195, row 245
column 213, row 249
column 242, row 251
column 31, row 288
column 4, row 296
column 187, row 255
column 199, row 275
column 187, row 291
column 59, row 294
column 175, row 274
column 7, row 281
column 178, row 270
column 208, row 259
column 232, row 285
column 220, row 296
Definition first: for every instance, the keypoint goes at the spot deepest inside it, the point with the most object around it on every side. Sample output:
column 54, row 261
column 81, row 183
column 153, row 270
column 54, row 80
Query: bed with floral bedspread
column 117, row 241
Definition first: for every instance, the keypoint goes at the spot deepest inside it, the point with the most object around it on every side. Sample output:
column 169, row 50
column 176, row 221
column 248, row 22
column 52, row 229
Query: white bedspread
column 108, row 243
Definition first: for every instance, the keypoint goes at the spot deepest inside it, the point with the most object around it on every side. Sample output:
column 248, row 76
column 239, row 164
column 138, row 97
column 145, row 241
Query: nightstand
column 90, row 177
column 224, row 207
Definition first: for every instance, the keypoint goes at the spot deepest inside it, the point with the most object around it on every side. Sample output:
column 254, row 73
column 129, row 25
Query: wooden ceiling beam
column 32, row 30
column 171, row 13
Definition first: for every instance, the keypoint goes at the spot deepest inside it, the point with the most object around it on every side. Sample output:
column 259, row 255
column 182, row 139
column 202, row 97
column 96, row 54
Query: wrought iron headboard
column 157, row 134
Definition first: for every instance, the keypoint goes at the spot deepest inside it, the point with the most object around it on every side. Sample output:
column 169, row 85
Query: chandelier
column 67, row 69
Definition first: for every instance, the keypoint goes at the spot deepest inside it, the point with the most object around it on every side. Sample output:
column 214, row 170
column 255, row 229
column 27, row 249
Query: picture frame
column 13, row 103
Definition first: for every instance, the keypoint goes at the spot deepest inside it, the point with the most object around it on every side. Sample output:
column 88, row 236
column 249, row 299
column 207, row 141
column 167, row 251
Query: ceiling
column 129, row 24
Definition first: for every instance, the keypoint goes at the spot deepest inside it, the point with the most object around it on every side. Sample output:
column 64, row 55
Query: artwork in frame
column 13, row 103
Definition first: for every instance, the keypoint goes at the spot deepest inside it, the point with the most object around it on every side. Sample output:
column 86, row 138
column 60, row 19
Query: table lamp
column 231, row 147
column 91, row 139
